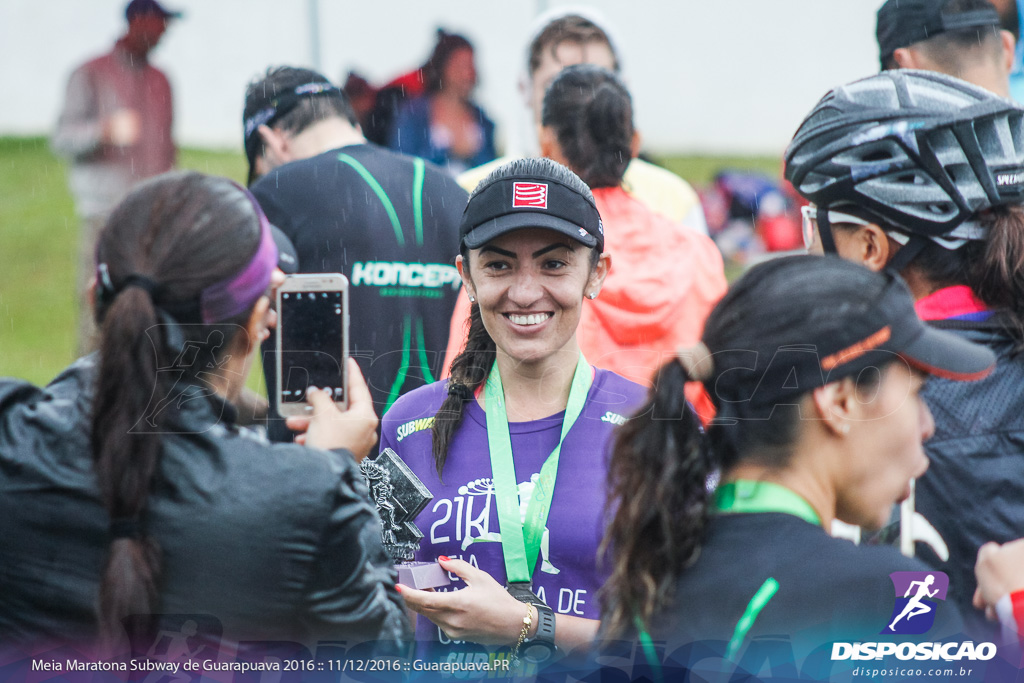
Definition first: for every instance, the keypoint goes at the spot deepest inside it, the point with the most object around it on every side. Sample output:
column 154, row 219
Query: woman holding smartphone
column 127, row 491
column 513, row 445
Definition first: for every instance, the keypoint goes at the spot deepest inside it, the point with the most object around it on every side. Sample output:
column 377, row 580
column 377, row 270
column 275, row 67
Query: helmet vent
column 878, row 155
column 990, row 137
column 912, row 194
column 878, row 151
column 813, row 182
column 921, row 150
column 960, row 172
column 1015, row 123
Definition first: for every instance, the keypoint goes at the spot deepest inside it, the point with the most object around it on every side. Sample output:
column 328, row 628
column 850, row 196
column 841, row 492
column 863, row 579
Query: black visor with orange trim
column 888, row 330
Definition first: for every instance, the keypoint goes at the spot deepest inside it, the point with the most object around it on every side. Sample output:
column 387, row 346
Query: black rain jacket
column 266, row 542
column 973, row 491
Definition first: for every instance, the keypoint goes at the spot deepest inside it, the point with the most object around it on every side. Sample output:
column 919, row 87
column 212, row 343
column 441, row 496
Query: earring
column 844, row 428
column 472, row 300
column 592, row 295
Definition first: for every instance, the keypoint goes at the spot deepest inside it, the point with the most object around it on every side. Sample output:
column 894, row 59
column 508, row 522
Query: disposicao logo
column 917, row 596
column 917, row 600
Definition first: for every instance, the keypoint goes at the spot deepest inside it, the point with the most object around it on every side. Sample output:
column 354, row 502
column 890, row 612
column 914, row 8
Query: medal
column 522, row 591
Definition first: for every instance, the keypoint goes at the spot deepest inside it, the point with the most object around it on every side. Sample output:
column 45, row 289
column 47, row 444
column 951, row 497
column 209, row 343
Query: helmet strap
column 828, row 242
column 905, row 254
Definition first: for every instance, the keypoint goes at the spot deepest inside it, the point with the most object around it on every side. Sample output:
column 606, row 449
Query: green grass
column 38, row 244
column 38, row 233
column 701, row 170
column 38, row 247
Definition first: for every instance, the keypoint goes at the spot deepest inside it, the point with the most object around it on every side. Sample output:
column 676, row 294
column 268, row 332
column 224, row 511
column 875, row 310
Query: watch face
column 537, row 651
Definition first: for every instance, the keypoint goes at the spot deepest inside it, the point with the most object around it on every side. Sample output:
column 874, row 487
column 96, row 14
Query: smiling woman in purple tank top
column 513, row 447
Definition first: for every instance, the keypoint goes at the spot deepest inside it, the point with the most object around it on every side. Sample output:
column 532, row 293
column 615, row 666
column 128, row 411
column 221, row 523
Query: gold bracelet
column 527, row 623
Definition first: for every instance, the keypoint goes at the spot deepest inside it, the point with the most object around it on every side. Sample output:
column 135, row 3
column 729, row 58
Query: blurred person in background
column 1010, row 18
column 387, row 221
column 663, row 281
column 363, row 97
column 961, row 38
column 579, row 35
column 444, row 125
column 115, row 129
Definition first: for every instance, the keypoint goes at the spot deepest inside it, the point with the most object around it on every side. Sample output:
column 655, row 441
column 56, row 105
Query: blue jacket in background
column 411, row 135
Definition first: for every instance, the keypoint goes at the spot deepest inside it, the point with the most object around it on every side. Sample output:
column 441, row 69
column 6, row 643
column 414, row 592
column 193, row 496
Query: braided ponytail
column 468, row 373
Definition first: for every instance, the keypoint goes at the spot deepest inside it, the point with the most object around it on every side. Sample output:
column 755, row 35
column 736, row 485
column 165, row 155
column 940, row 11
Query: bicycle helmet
column 916, row 151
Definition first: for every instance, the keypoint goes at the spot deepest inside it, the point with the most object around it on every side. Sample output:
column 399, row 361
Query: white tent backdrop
column 715, row 77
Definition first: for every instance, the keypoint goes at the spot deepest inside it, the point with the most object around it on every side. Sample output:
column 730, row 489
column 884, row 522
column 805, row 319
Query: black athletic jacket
column 259, row 541
column 825, row 590
column 390, row 223
column 973, row 492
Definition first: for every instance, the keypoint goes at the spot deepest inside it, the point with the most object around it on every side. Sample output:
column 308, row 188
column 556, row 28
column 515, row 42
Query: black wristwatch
column 541, row 648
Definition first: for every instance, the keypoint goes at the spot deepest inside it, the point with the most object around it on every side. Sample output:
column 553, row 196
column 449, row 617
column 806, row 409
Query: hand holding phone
column 312, row 340
column 354, row 429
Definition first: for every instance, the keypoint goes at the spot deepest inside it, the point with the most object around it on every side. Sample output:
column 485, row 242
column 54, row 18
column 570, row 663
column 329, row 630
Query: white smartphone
column 312, row 340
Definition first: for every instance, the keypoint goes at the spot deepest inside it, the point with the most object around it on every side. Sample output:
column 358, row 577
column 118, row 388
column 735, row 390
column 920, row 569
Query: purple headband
column 220, row 301
column 226, row 299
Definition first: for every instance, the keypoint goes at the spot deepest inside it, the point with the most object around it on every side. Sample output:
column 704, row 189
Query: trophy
column 399, row 496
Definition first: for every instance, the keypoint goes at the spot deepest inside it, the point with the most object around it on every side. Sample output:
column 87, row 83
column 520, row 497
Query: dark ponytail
column 658, row 487
column 468, row 373
column 169, row 239
column 993, row 268
column 591, row 113
column 997, row 277
column 126, row 457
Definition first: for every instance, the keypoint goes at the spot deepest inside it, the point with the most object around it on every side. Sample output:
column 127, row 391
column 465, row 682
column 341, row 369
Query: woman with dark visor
column 514, row 445
column 815, row 367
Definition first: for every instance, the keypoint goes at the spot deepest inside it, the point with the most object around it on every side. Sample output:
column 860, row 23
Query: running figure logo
column 917, row 594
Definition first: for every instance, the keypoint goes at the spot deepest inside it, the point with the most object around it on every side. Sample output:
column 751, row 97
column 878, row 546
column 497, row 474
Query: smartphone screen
column 312, row 326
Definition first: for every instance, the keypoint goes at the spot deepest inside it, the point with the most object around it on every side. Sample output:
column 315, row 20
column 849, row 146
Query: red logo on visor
column 533, row 195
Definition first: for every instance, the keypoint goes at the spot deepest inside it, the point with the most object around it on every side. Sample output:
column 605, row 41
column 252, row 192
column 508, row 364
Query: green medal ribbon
column 745, row 495
column 748, row 496
column 520, row 541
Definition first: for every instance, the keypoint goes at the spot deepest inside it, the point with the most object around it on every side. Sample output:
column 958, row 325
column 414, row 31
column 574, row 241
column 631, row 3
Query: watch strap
column 545, row 624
